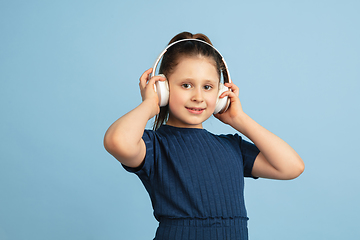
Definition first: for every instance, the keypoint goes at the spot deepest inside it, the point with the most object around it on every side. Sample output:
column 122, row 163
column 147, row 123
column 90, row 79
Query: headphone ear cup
column 222, row 103
column 162, row 90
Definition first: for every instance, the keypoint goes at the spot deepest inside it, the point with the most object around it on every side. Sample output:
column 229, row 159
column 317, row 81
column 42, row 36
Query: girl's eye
column 186, row 85
column 207, row 87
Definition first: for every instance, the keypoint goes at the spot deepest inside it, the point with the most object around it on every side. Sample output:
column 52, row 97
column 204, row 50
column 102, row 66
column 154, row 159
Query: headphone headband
column 190, row 39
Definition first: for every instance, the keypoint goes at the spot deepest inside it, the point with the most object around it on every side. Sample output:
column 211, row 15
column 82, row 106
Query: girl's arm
column 276, row 160
column 123, row 139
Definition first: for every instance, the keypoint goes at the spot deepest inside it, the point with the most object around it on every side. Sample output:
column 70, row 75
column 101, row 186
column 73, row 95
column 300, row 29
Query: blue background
column 68, row 69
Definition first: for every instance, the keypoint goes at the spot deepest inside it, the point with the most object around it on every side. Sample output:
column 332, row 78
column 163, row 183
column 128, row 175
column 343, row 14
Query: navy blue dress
column 195, row 180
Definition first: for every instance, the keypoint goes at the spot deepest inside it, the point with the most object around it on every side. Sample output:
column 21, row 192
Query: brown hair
column 181, row 49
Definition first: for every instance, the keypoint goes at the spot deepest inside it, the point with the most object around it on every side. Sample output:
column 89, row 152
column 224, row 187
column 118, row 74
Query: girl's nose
column 197, row 95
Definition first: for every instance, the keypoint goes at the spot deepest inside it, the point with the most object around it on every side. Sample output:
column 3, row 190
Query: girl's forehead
column 196, row 62
column 196, row 65
column 197, row 58
column 196, row 69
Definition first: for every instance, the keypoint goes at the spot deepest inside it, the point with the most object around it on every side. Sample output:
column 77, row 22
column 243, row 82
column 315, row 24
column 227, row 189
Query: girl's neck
column 178, row 124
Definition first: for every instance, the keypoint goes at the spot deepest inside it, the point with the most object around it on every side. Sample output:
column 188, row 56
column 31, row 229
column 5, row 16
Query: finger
column 233, row 88
column 144, row 78
column 145, row 75
column 229, row 94
column 154, row 79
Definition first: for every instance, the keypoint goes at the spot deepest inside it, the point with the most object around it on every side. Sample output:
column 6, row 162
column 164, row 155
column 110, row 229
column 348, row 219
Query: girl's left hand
column 276, row 160
column 235, row 109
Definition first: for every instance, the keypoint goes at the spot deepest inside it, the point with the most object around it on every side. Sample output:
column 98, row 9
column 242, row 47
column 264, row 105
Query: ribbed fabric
column 208, row 228
column 195, row 180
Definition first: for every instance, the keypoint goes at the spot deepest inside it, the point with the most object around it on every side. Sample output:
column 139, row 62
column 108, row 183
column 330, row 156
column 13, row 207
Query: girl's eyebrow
column 202, row 81
column 212, row 81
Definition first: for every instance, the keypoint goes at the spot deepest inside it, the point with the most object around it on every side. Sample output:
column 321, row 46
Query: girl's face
column 194, row 87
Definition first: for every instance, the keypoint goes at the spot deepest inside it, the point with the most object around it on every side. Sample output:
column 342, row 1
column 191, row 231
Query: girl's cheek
column 214, row 98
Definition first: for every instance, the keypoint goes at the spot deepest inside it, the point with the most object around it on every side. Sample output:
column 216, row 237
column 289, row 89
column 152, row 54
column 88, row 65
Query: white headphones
column 162, row 87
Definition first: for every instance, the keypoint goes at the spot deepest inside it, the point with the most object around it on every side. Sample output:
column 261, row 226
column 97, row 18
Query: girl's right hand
column 147, row 90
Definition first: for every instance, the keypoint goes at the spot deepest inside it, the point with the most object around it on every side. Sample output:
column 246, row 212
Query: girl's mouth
column 195, row 110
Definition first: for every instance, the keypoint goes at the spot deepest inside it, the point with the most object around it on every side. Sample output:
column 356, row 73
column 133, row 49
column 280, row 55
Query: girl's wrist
column 241, row 122
column 150, row 106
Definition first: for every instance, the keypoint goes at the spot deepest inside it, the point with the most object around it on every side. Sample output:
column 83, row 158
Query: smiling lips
column 195, row 110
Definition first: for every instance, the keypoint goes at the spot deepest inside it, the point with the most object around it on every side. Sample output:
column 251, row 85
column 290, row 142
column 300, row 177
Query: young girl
column 195, row 179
